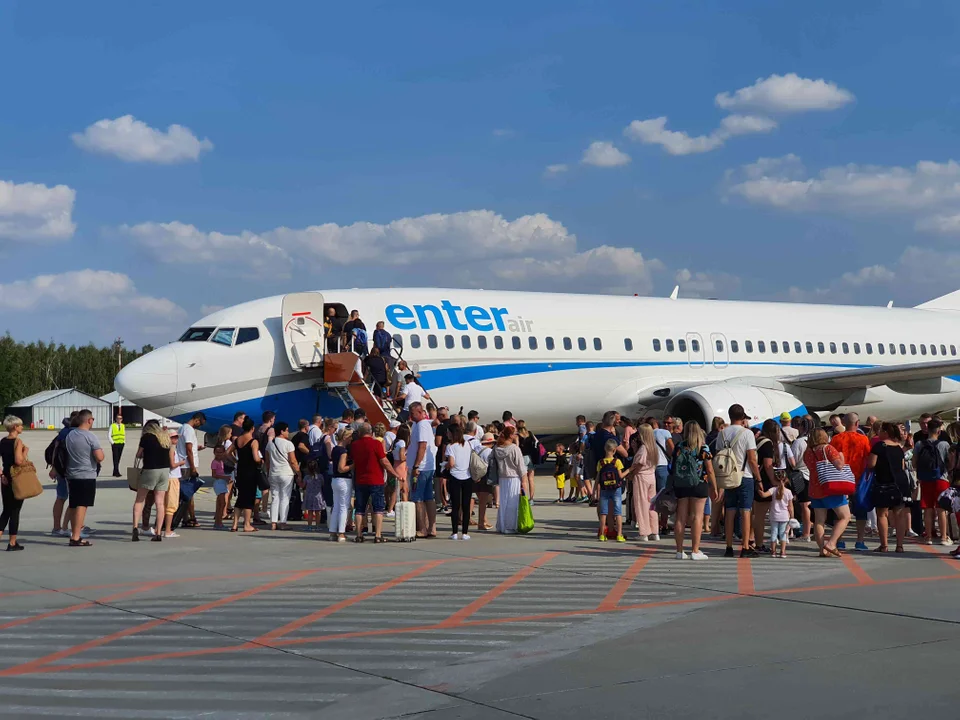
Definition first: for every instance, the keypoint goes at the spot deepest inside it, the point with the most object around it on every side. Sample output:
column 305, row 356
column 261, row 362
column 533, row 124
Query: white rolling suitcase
column 406, row 530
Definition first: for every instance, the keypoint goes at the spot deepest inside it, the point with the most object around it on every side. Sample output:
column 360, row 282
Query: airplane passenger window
column 846, row 348
column 880, row 348
column 774, row 347
column 695, row 345
column 856, row 348
column 748, row 345
column 833, row 348
column 482, row 342
column 223, row 336
column 597, row 345
column 582, row 343
column 414, row 341
column 448, row 341
column 933, row 349
column 533, row 342
column 809, row 347
column 550, row 344
column 656, row 345
column 943, row 349
column 953, row 349
column 869, row 348
column 761, row 346
column 669, row 345
column 735, row 346
column 903, row 349
column 465, row 342
column 197, row 334
column 682, row 345
column 498, row 342
column 913, row 349
column 432, row 341
column 923, row 349
column 627, row 344
column 719, row 345
column 516, row 342
column 567, row 344
column 245, row 335
column 820, row 348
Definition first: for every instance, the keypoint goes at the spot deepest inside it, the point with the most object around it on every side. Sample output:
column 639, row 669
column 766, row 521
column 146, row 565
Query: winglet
column 890, row 304
column 675, row 293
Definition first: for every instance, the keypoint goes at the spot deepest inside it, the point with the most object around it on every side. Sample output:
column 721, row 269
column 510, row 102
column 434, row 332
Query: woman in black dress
column 246, row 455
column 890, row 483
column 13, row 452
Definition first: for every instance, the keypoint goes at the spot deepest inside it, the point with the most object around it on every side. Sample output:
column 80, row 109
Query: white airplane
column 549, row 357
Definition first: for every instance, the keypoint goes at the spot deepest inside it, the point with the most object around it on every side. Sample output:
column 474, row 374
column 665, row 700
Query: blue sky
column 436, row 123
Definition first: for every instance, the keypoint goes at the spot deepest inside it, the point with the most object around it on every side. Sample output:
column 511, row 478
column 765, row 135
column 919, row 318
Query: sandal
column 80, row 543
column 358, row 539
column 882, row 548
column 251, row 531
column 379, row 539
column 833, row 552
column 899, row 549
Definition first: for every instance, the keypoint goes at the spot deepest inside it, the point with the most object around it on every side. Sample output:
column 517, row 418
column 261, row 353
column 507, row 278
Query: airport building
column 133, row 414
column 46, row 409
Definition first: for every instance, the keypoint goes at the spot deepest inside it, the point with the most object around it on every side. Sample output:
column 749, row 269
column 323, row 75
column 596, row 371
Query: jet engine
column 705, row 402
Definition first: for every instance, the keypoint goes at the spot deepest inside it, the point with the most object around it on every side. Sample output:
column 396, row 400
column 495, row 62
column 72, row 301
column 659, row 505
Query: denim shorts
column 831, row 502
column 608, row 495
column 62, row 491
column 740, row 498
column 423, row 489
column 372, row 494
column 662, row 473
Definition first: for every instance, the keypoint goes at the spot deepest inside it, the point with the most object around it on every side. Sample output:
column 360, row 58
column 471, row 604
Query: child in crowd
column 781, row 512
column 560, row 471
column 312, row 487
column 222, row 480
column 574, row 472
column 608, row 490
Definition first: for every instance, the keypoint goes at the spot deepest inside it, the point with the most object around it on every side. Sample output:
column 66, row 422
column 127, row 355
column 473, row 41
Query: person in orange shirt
column 855, row 447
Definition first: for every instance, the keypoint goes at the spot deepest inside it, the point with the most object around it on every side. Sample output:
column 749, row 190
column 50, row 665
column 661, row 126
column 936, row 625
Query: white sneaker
column 391, row 514
column 464, row 537
column 152, row 532
column 642, row 538
column 698, row 556
column 171, row 535
column 654, row 538
column 682, row 556
column 928, row 541
column 911, row 534
column 946, row 543
column 455, row 536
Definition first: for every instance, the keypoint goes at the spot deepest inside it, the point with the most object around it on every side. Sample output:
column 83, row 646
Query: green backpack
column 685, row 471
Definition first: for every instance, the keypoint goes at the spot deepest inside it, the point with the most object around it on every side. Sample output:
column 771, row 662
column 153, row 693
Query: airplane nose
column 151, row 380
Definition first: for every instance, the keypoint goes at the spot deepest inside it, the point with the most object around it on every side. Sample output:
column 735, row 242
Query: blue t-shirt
column 600, row 438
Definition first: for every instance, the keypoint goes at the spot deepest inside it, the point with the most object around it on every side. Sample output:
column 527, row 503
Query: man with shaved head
column 855, row 447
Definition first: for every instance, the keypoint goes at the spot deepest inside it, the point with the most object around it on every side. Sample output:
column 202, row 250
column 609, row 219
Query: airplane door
column 302, row 317
column 721, row 356
column 694, row 350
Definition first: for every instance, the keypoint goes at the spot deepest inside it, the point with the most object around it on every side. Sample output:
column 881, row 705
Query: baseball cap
column 785, row 416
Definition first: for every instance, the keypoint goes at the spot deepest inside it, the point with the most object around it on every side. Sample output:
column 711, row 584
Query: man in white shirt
column 739, row 437
column 413, row 393
column 424, row 450
column 188, row 452
column 315, row 435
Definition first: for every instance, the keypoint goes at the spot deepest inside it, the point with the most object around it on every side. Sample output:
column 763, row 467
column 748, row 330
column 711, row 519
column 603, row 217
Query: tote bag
column 25, row 482
column 833, row 481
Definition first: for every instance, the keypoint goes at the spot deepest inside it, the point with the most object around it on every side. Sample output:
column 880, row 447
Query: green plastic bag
column 524, row 516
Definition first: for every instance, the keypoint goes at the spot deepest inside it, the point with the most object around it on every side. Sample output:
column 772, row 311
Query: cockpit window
column 245, row 335
column 197, row 334
column 223, row 336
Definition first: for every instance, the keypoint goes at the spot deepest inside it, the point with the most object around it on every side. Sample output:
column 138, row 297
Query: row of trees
column 28, row 368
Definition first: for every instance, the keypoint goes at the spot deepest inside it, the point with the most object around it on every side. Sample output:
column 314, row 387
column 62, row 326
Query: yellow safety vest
column 118, row 433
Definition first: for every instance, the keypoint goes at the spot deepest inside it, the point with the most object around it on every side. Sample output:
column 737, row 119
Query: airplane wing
column 875, row 376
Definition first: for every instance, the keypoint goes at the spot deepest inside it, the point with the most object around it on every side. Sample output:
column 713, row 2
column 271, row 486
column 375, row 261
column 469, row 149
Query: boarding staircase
column 340, row 373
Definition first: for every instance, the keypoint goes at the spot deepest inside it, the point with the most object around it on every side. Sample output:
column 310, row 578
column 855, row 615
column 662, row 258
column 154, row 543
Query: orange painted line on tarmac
column 492, row 594
column 623, row 584
column 745, row 584
column 327, row 611
column 945, row 557
column 83, row 606
column 863, row 578
column 90, row 644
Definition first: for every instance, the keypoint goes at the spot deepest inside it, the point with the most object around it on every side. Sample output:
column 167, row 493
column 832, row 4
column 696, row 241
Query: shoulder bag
column 25, row 482
column 834, row 481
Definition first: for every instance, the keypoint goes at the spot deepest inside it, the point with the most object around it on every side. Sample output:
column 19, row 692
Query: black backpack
column 608, row 476
column 929, row 466
column 56, row 454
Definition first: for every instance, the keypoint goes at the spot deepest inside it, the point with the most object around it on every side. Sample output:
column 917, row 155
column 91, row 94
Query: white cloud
column 31, row 211
column 86, row 290
column 675, row 142
column 707, row 284
column 602, row 269
column 604, row 154
column 554, row 170
column 786, row 94
column 134, row 141
column 928, row 190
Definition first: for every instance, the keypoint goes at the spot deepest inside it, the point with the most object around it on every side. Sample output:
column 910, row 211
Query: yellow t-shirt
column 605, row 461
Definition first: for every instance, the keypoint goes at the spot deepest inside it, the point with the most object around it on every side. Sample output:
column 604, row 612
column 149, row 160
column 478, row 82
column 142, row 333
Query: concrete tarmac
column 551, row 625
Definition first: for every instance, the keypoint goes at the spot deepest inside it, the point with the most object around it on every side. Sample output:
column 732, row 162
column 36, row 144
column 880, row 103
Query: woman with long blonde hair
column 159, row 458
column 643, row 483
column 691, row 500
